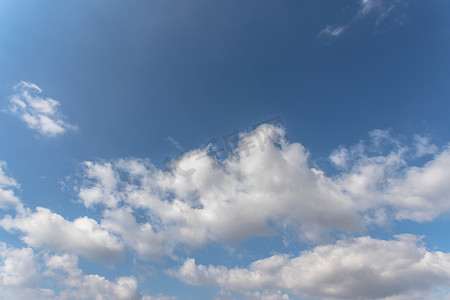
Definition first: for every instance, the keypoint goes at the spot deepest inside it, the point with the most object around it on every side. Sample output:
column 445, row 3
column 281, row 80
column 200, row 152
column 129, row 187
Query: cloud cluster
column 20, row 276
column 257, row 192
column 81, row 286
column 19, row 268
column 385, row 186
column 268, row 186
column 40, row 114
column 359, row 268
column 43, row 229
column 266, row 189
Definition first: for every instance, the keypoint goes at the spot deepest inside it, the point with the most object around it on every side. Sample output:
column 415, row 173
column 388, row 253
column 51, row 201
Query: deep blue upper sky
column 131, row 74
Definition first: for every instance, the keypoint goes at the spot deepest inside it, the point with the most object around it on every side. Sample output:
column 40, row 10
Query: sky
column 224, row 149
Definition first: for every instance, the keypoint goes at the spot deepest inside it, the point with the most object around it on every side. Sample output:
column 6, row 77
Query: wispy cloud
column 40, row 114
column 380, row 9
column 333, row 31
column 175, row 143
column 423, row 146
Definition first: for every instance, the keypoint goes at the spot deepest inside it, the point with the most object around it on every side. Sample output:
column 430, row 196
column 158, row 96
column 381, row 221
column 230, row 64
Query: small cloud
column 175, row 143
column 423, row 146
column 333, row 31
column 340, row 158
column 40, row 114
column 369, row 6
column 381, row 9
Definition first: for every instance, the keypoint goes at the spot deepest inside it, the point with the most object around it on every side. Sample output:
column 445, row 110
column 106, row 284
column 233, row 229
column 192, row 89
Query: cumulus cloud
column 80, row 286
column 8, row 185
column 40, row 114
column 356, row 268
column 422, row 193
column 43, row 229
column 18, row 267
column 141, row 238
column 261, row 189
column 21, row 273
column 267, row 186
column 383, row 184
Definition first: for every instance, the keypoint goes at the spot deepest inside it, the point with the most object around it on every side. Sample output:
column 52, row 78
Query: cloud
column 379, row 9
column 18, row 268
column 77, row 285
column 267, row 186
column 20, row 276
column 8, row 199
column 40, row 114
column 80, row 286
column 43, row 229
column 350, row 269
column 141, row 238
column 258, row 191
column 423, row 146
column 340, row 157
column 383, row 184
column 422, row 193
column 333, row 31
column 263, row 190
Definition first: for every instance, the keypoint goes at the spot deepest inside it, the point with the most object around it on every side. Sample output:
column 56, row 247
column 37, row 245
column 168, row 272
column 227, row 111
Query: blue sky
column 115, row 176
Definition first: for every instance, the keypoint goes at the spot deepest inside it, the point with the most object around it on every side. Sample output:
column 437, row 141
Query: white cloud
column 422, row 193
column 105, row 187
column 259, row 190
column 380, row 9
column 46, row 230
column 262, row 190
column 77, row 285
column 80, row 286
column 18, row 268
column 246, row 196
column 335, row 31
column 363, row 268
column 141, row 238
column 369, row 6
column 40, row 114
column 384, row 184
column 340, row 158
column 8, row 199
column 20, row 277
column 423, row 146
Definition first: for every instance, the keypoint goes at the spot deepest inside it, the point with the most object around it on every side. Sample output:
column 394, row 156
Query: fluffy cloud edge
column 22, row 272
column 355, row 268
column 39, row 114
